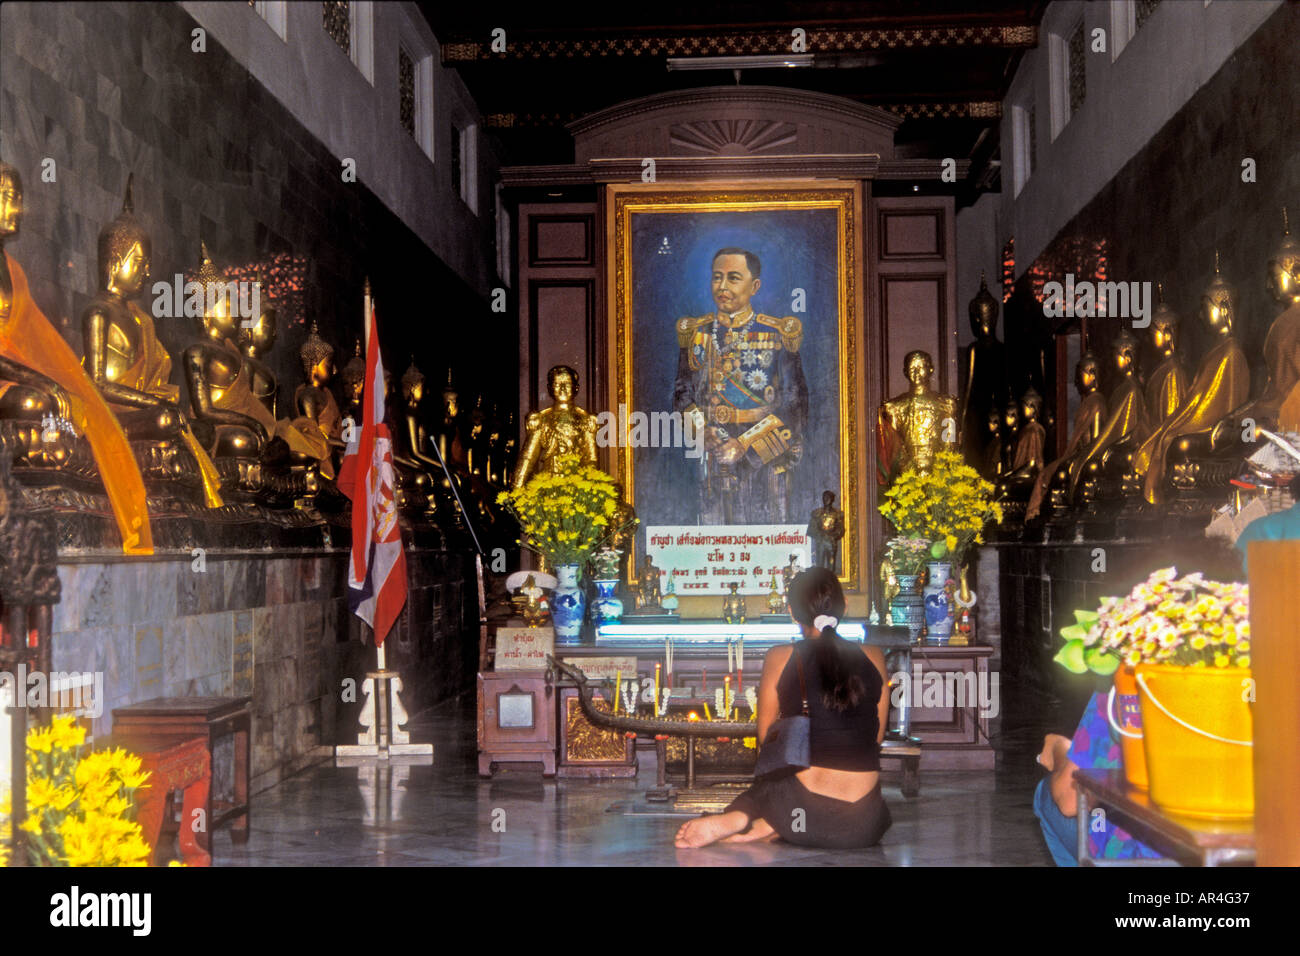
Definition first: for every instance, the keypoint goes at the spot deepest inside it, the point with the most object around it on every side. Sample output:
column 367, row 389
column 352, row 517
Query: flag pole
column 380, row 656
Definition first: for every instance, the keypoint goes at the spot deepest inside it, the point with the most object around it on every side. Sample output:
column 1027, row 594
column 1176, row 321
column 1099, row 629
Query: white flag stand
column 382, row 717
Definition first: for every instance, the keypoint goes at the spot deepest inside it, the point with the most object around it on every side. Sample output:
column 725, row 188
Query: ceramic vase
column 568, row 605
column 906, row 608
column 607, row 608
column 937, row 597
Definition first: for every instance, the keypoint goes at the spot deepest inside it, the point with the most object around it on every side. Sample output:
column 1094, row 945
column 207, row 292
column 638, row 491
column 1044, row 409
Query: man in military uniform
column 740, row 382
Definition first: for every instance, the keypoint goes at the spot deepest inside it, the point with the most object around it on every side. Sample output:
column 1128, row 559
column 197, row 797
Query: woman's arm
column 769, row 704
column 877, row 657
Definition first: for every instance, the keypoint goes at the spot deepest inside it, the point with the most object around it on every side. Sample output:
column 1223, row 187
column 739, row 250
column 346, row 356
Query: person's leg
column 1060, row 831
column 840, row 824
column 736, row 818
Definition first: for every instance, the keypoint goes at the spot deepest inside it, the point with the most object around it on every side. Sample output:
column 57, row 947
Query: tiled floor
column 446, row 814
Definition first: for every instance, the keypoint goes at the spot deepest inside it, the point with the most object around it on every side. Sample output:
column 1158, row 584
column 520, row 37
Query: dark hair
column 813, row 593
column 751, row 260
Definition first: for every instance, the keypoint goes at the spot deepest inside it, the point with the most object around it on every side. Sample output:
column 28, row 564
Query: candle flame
column 692, row 716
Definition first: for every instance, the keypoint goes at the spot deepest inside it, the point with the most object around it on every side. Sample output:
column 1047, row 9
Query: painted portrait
column 733, row 317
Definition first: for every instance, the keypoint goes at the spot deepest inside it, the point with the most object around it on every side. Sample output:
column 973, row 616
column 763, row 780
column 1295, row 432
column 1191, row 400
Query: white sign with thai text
column 705, row 559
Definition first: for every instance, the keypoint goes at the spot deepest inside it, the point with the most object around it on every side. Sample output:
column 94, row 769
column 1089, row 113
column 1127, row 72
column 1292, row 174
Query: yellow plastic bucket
column 1198, row 736
column 1125, row 716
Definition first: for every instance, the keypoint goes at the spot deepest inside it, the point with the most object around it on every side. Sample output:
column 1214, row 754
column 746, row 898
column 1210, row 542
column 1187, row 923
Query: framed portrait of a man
column 734, row 331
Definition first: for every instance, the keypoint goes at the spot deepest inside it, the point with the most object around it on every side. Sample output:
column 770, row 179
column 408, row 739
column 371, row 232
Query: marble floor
column 445, row 814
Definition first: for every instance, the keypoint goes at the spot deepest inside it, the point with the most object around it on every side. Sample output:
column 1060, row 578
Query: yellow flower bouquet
column 81, row 806
column 567, row 514
column 949, row 505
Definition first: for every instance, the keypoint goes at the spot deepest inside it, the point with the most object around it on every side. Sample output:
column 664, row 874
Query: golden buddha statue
column 1031, row 445
column 1168, row 384
column 1126, row 422
column 353, row 378
column 477, row 440
column 221, row 383
column 913, row 426
column 447, row 435
column 314, row 400
column 1206, row 419
column 992, row 468
column 415, row 467
column 308, row 444
column 1009, row 433
column 1084, row 430
column 124, row 357
column 562, row 429
column 986, row 373
column 41, row 379
column 1280, row 401
column 624, row 524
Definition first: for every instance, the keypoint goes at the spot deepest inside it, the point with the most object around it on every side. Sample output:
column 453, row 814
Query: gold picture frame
column 623, row 203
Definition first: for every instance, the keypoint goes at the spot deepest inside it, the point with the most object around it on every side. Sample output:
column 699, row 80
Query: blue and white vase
column 906, row 608
column 568, row 605
column 938, row 603
column 607, row 608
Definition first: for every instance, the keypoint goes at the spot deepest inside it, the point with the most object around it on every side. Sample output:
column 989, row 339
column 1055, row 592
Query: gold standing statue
column 562, row 429
column 914, row 426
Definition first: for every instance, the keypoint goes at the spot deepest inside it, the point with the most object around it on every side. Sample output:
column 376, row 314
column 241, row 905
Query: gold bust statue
column 1220, row 388
column 913, row 426
column 1168, row 384
column 40, row 376
column 1084, row 429
column 562, row 429
column 1127, row 418
column 124, row 358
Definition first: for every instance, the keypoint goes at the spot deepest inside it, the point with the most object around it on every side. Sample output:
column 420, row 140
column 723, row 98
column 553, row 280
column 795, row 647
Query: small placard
column 523, row 648
column 603, row 668
column 515, row 710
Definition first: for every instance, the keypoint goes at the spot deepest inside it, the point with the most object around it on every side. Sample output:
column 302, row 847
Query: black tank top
column 843, row 740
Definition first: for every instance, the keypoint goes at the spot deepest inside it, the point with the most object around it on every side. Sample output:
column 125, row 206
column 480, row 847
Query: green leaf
column 1071, row 657
column 1100, row 662
column 1074, row 632
column 1087, row 618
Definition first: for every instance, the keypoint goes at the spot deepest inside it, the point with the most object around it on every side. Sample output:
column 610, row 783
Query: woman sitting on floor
column 836, row 802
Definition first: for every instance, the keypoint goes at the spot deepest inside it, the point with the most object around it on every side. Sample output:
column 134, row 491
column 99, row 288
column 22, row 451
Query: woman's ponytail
column 816, row 600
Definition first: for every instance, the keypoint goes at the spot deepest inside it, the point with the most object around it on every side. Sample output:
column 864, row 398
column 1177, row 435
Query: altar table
column 174, row 763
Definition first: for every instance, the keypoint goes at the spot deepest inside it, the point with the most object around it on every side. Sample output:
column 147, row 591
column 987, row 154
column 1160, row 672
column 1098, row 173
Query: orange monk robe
column 1091, row 409
column 1221, row 386
column 31, row 340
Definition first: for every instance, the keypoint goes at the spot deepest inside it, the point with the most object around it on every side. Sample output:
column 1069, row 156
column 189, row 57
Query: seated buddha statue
column 914, row 426
column 1168, row 384
column 308, row 445
column 991, row 468
column 1083, row 432
column 40, row 376
column 986, row 388
column 124, row 358
column 353, row 380
column 315, row 401
column 1031, row 444
column 476, row 440
column 1126, row 422
column 1221, row 386
column 221, row 392
column 1279, row 403
column 1009, row 435
column 414, row 466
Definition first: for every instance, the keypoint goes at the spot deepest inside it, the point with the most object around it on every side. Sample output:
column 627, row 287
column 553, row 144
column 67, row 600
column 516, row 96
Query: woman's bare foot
column 761, row 830
column 709, row 828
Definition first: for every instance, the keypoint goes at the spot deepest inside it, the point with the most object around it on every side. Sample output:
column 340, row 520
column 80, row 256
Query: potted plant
column 1187, row 643
column 565, row 516
column 948, row 506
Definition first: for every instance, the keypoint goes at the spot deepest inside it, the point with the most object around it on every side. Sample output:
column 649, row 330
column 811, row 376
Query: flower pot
column 607, row 608
column 568, row 605
column 1124, row 712
column 1198, row 737
column 937, row 601
column 907, row 608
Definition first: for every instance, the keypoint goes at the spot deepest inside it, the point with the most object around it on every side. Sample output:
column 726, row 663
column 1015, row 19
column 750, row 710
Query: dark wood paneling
column 560, row 241
column 562, row 332
column 913, row 312
column 911, row 235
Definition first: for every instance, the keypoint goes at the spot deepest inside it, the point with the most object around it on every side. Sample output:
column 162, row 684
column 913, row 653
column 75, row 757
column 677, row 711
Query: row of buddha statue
column 1153, row 436
column 114, row 417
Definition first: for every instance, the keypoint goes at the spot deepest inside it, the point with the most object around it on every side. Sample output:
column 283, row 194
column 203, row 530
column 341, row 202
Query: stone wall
column 274, row 627
column 107, row 89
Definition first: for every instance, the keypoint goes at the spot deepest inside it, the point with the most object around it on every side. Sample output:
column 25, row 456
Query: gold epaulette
column 791, row 330
column 686, row 328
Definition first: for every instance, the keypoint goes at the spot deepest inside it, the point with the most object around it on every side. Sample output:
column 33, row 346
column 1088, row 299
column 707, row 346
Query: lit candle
column 740, row 668
column 707, row 715
column 731, row 662
column 668, row 660
column 656, row 685
column 726, row 697
column 618, row 689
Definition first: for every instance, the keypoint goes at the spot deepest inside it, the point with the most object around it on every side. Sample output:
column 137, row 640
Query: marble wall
column 274, row 627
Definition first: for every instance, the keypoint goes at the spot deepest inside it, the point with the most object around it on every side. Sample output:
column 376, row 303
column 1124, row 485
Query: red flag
column 377, row 571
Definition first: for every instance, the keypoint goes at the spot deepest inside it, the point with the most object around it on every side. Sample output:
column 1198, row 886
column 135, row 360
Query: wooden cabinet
column 516, row 720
